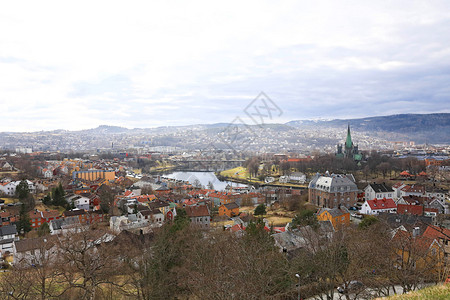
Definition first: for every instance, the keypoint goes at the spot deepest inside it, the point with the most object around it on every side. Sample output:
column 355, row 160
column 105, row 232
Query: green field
column 239, row 173
column 437, row 292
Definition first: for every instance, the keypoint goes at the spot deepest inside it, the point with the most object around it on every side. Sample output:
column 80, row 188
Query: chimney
column 416, row 231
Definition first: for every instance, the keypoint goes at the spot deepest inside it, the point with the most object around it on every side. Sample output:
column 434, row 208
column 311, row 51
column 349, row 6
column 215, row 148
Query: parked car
column 356, row 215
column 353, row 286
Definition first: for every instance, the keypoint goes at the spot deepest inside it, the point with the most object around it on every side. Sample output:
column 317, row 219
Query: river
column 204, row 178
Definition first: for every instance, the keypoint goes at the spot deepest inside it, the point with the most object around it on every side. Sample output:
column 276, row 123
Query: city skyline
column 135, row 65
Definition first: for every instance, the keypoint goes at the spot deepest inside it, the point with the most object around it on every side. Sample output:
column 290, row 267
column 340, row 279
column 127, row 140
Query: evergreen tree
column 304, row 218
column 367, row 222
column 44, row 229
column 180, row 221
column 260, row 210
column 24, row 223
column 22, row 191
column 47, row 200
column 58, row 196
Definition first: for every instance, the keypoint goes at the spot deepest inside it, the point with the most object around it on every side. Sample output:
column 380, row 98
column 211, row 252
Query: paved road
column 398, row 289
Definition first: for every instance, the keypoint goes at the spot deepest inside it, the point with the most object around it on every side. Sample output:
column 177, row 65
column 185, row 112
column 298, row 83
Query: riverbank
column 241, row 175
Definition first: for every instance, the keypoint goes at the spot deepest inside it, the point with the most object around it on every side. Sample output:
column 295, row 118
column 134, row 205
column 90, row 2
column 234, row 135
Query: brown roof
column 232, row 205
column 71, row 213
column 35, row 214
column 158, row 204
column 34, row 243
column 414, row 189
column 50, row 214
column 149, row 212
column 197, row 211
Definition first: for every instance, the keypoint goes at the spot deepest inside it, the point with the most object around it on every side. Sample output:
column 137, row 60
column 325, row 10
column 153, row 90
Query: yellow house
column 337, row 216
column 229, row 209
column 421, row 254
column 92, row 175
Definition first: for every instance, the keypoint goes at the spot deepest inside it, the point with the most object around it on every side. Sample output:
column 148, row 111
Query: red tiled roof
column 72, row 213
column 397, row 185
column 381, row 204
column 414, row 189
column 406, row 209
column 236, row 228
column 437, row 232
column 50, row 214
column 423, row 242
column 416, row 199
column 35, row 214
column 189, row 202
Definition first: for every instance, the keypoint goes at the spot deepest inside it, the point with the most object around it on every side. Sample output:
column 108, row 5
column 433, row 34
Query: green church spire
column 348, row 142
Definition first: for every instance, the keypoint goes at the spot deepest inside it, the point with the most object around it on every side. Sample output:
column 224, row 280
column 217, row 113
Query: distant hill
column 421, row 128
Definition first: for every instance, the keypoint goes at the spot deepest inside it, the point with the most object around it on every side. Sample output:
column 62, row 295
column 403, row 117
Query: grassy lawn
column 239, row 173
column 278, row 220
column 10, row 200
column 220, row 224
column 290, row 184
column 278, row 217
column 437, row 292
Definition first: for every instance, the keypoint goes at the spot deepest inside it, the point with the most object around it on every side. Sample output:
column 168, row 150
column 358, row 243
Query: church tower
column 348, row 144
column 348, row 150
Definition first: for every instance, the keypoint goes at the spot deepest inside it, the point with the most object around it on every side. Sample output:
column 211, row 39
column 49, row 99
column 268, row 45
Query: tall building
column 333, row 190
column 350, row 150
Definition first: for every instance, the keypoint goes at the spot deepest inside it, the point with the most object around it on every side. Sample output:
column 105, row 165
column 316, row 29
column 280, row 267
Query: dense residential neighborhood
column 299, row 209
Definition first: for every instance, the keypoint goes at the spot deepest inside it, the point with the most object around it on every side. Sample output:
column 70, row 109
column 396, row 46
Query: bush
column 260, row 210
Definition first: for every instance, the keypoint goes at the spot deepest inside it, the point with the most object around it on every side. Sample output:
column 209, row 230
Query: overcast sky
column 156, row 63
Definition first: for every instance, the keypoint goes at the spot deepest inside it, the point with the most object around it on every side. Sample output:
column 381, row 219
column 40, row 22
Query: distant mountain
column 299, row 135
column 421, row 128
column 106, row 129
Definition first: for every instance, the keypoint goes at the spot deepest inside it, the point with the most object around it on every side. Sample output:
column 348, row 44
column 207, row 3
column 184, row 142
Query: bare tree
column 87, row 262
column 41, row 265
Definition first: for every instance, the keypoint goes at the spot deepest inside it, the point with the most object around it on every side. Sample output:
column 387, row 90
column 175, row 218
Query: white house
column 378, row 191
column 297, row 177
column 151, row 217
column 441, row 195
column 79, row 201
column 397, row 188
column 68, row 224
column 8, row 234
column 6, row 166
column 8, row 188
column 412, row 190
column 269, row 179
column 47, row 173
column 375, row 206
column 441, row 206
column 283, row 179
column 35, row 251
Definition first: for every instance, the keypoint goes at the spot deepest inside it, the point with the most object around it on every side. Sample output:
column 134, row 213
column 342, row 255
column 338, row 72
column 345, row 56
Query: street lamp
column 298, row 285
